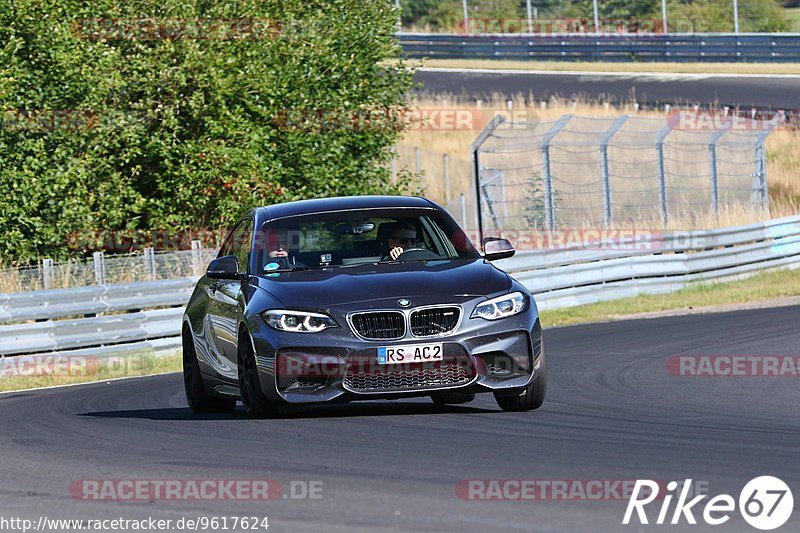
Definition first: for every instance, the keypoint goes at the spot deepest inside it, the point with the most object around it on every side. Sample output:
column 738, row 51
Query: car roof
column 342, row 203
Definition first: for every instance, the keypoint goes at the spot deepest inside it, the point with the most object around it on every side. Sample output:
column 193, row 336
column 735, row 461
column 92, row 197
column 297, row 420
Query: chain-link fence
column 443, row 177
column 103, row 269
column 579, row 171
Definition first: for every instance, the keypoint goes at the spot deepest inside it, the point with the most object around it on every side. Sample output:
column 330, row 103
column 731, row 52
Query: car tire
column 255, row 402
column 531, row 397
column 200, row 401
column 451, row 398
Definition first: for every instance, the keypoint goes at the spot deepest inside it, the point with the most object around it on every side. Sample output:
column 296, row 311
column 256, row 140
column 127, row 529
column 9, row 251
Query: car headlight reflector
column 501, row 307
column 298, row 321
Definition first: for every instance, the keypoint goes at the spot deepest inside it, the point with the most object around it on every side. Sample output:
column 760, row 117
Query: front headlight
column 298, row 321
column 501, row 307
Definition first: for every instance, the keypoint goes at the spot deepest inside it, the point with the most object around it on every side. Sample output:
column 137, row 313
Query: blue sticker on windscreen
column 272, row 266
column 273, row 275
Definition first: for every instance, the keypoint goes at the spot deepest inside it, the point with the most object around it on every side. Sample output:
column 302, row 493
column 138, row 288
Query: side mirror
column 223, row 268
column 495, row 249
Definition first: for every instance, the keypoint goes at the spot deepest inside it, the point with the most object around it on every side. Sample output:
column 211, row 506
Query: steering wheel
column 417, row 254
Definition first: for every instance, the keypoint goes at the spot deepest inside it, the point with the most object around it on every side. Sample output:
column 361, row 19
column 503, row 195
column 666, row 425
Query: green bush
column 179, row 129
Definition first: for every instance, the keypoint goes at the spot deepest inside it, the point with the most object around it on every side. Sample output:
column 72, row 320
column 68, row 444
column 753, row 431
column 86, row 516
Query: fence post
column 606, row 180
column 99, row 260
column 662, row 176
column 47, row 274
column 549, row 204
column 476, row 168
column 418, row 166
column 488, row 199
column 712, row 153
column 197, row 265
column 463, row 211
column 150, row 262
column 393, row 165
column 759, row 196
column 446, row 161
column 760, row 189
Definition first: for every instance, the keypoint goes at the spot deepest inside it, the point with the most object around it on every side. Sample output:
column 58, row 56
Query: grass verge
column 588, row 66
column 794, row 17
column 27, row 372
column 768, row 286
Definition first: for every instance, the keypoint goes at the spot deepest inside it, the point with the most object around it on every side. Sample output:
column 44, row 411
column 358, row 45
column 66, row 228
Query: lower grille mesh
column 419, row 376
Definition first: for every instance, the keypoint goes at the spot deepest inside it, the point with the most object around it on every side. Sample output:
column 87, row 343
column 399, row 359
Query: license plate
column 410, row 353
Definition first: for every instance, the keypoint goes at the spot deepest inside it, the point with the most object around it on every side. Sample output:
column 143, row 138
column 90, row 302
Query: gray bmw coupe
column 358, row 298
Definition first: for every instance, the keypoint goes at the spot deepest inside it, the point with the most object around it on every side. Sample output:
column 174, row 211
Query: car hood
column 431, row 280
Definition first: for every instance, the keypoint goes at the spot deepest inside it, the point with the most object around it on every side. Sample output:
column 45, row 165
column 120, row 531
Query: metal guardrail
column 675, row 47
column 56, row 335
column 575, row 275
column 565, row 278
column 60, row 303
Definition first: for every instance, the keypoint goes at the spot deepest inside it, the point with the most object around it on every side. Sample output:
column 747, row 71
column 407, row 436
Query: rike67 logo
column 765, row 503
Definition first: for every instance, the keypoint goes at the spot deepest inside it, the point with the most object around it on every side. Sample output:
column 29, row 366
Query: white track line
column 662, row 75
column 86, row 382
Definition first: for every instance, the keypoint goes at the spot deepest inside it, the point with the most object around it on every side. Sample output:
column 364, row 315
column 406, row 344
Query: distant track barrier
column 694, row 47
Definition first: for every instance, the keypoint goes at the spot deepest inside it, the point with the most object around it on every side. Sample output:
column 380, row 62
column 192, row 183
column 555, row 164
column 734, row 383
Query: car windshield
column 360, row 236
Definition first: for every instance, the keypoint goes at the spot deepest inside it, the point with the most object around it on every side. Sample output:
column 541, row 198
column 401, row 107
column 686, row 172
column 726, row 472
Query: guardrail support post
column 606, row 180
column 99, row 268
column 662, row 175
column 549, row 203
column 197, row 265
column 47, row 274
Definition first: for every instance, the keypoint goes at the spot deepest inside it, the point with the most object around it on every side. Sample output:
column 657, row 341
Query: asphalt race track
column 613, row 413
column 768, row 92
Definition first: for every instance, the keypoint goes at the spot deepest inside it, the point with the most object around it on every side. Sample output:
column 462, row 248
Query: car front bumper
column 336, row 365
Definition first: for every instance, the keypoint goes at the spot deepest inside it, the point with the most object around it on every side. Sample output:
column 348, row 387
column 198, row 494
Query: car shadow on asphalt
column 365, row 409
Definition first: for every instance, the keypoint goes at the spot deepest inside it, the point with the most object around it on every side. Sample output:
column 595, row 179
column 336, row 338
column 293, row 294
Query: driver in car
column 402, row 237
column 277, row 244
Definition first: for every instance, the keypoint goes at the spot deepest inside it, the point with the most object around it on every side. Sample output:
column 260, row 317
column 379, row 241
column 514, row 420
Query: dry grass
column 794, row 17
column 783, row 157
column 588, row 66
column 26, row 372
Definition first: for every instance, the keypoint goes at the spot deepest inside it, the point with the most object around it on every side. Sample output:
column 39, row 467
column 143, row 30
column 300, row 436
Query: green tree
column 179, row 128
